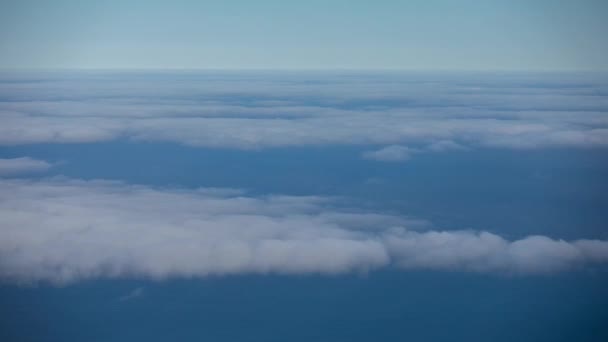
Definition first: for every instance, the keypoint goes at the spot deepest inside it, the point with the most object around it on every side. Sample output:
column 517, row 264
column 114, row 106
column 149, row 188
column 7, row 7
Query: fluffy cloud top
column 260, row 110
column 15, row 166
column 63, row 230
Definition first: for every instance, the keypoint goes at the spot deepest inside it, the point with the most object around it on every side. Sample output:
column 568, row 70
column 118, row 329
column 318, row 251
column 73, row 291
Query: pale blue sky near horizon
column 413, row 35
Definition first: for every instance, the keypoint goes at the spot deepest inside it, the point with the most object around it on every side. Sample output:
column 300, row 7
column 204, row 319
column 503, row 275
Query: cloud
column 63, row 230
column 487, row 252
column 399, row 153
column 264, row 110
column 393, row 153
column 16, row 166
column 136, row 293
column 445, row 145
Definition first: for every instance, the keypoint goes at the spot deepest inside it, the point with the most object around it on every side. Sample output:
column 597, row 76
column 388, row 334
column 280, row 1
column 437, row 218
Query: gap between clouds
column 64, row 230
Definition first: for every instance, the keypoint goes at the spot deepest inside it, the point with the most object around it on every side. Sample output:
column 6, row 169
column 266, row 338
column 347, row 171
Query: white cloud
column 16, row 166
column 399, row 153
column 393, row 153
column 445, row 145
column 487, row 252
column 63, row 230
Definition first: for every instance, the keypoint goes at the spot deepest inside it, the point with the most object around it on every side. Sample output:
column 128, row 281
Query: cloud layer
column 63, row 230
column 260, row 110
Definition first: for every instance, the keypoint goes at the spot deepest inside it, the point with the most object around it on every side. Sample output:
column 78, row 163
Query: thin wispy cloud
column 393, row 153
column 136, row 293
column 22, row 165
column 400, row 153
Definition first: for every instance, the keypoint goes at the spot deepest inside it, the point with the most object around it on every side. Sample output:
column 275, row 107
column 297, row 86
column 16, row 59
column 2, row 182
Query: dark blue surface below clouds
column 384, row 306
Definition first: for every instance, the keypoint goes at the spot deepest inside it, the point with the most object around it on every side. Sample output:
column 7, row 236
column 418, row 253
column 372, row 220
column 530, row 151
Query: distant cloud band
column 262, row 110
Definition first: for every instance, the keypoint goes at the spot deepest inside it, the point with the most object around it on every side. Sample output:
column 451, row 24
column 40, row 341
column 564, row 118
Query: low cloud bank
column 63, row 230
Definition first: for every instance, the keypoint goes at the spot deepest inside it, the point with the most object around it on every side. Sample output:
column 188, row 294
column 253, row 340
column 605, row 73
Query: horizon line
column 304, row 69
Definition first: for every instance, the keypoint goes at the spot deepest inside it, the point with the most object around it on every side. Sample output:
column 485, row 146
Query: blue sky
column 428, row 35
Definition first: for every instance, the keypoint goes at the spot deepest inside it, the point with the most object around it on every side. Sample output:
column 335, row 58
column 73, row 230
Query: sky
column 411, row 35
